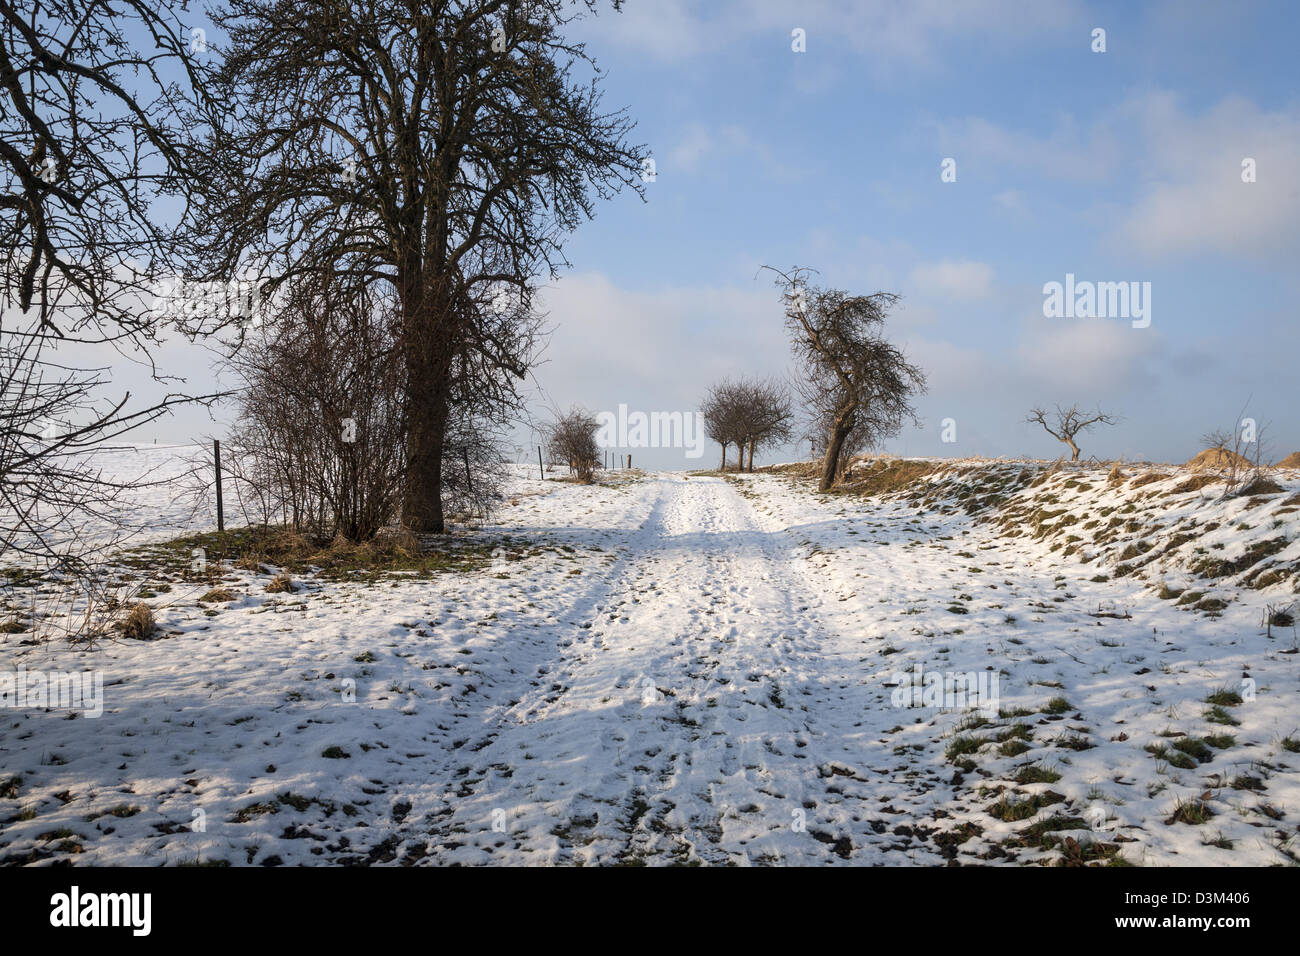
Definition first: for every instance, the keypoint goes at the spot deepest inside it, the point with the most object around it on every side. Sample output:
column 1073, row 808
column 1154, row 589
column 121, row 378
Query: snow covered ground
column 676, row 669
column 161, row 502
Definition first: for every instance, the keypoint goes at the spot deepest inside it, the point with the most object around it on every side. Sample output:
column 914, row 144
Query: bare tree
column 1067, row 423
column 441, row 147
column 571, row 440
column 749, row 414
column 91, row 136
column 720, row 410
column 766, row 415
column 1242, row 451
column 855, row 385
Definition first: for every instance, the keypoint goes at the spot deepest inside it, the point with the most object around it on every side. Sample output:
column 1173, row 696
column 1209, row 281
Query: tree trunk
column 1074, row 448
column 830, row 464
column 723, row 466
column 422, row 503
column 429, row 324
column 751, row 455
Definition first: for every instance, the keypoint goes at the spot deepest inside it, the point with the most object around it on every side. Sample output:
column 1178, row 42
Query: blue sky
column 1115, row 166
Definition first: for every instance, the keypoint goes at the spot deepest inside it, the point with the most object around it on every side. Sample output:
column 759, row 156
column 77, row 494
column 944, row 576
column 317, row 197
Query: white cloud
column 1087, row 360
column 1195, row 200
column 612, row 344
column 1185, row 170
column 954, row 279
column 892, row 33
column 703, row 148
column 1070, row 152
column 1012, row 200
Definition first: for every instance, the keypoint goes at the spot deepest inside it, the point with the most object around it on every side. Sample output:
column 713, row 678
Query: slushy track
column 706, row 714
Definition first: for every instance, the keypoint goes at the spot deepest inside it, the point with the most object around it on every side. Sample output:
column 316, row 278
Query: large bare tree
column 442, row 147
column 856, row 386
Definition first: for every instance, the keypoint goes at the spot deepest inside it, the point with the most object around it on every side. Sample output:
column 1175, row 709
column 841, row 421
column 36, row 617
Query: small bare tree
column 1241, row 453
column 855, row 385
column 1067, row 423
column 719, row 410
column 572, row 439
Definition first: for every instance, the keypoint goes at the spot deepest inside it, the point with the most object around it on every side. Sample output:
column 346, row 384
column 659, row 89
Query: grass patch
column 1172, row 757
column 261, row 549
column 1194, row 747
column 1036, row 773
column 1011, row 811
column 1224, row 697
column 964, row 745
column 1192, row 812
column 1217, row 715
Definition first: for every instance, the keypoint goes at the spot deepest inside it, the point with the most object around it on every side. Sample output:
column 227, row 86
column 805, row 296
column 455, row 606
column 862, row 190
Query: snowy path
column 696, row 692
column 676, row 670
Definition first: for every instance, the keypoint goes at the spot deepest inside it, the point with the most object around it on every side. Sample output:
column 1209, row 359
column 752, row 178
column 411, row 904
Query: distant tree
column 1065, row 424
column 856, row 386
column 766, row 415
column 571, row 439
column 720, row 411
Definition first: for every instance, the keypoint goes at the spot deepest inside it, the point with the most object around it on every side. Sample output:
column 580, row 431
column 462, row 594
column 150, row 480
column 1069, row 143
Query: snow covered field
column 676, row 669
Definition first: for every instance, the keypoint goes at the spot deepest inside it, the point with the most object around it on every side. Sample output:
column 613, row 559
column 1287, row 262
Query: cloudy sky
column 1116, row 166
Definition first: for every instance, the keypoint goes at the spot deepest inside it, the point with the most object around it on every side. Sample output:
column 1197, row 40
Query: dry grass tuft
column 888, row 475
column 281, row 584
column 1194, row 483
column 1218, row 458
column 1261, row 485
column 139, row 623
column 1147, row 478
